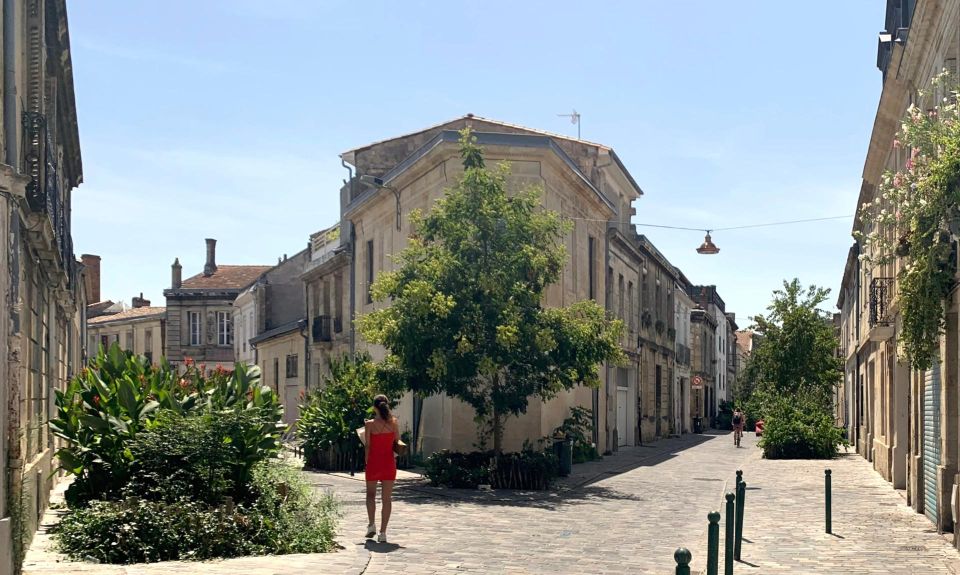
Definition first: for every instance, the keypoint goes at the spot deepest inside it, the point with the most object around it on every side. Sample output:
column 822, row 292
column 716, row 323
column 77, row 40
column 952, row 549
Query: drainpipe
column 607, row 367
column 10, row 84
column 353, row 289
column 306, row 353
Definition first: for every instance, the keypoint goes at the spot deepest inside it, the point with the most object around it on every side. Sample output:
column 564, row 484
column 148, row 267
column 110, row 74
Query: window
column 276, row 375
column 193, row 319
column 130, row 341
column 224, row 328
column 620, row 308
column 338, row 303
column 369, row 271
column 291, row 366
column 104, row 341
column 630, row 314
column 148, row 345
column 592, row 267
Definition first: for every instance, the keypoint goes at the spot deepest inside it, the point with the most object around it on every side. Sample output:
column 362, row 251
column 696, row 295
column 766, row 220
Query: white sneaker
column 382, row 538
column 371, row 531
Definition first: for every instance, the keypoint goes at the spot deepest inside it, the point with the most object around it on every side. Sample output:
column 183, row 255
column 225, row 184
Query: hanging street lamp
column 708, row 247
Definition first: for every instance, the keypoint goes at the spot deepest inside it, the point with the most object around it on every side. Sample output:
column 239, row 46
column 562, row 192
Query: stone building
column 139, row 329
column 327, row 279
column 684, row 399
column 42, row 321
column 904, row 422
column 270, row 322
column 703, row 328
column 583, row 181
column 732, row 357
column 656, row 342
column 707, row 299
column 200, row 310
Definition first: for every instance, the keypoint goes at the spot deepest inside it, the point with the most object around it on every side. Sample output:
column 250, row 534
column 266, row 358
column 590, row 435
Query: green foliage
column 283, row 517
column 578, row 428
column 120, row 395
column 331, row 415
column 798, row 427
column 724, row 419
column 792, row 375
column 203, row 457
column 916, row 209
column 796, row 348
column 466, row 315
column 527, row 469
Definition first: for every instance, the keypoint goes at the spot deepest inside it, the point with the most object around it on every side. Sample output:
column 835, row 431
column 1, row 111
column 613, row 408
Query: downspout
column 608, row 368
column 10, row 84
column 306, row 354
column 856, row 375
column 353, row 290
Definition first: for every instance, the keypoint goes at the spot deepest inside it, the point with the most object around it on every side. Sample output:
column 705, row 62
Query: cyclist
column 738, row 421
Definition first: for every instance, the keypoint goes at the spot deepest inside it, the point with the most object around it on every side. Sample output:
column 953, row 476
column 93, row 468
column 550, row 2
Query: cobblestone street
column 625, row 514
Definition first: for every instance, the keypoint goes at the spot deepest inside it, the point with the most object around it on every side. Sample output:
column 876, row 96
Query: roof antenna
column 574, row 119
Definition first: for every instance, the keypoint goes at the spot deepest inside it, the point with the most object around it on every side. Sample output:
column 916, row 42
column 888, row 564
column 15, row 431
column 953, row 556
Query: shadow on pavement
column 374, row 547
column 548, row 500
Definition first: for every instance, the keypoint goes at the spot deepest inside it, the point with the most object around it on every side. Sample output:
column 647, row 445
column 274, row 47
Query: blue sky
column 225, row 118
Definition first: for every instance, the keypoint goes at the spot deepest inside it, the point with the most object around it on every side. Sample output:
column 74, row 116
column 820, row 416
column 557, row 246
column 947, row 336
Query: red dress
column 381, row 466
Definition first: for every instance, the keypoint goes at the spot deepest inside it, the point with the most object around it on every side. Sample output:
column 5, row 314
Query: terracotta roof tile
column 132, row 313
column 226, row 277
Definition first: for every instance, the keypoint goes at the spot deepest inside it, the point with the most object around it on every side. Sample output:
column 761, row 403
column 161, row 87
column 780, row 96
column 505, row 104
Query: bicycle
column 737, row 434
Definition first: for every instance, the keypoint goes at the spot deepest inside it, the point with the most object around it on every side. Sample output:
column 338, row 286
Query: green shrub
column 285, row 517
column 799, row 428
column 203, row 457
column 331, row 415
column 119, row 395
column 527, row 469
column 578, row 428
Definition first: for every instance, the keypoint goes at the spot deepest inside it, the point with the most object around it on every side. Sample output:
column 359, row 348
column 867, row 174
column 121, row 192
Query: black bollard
column 741, row 493
column 713, row 543
column 729, row 535
column 828, row 500
column 682, row 556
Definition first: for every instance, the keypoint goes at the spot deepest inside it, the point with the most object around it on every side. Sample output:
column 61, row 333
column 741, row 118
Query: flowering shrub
column 912, row 216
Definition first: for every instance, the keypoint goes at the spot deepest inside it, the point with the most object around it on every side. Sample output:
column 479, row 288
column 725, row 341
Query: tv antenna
column 574, row 119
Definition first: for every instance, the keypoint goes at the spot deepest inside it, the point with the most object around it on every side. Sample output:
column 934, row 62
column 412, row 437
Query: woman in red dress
column 380, row 432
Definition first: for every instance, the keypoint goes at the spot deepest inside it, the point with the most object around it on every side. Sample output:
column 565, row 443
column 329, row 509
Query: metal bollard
column 828, row 500
column 682, row 557
column 741, row 495
column 739, row 479
column 728, row 536
column 713, row 543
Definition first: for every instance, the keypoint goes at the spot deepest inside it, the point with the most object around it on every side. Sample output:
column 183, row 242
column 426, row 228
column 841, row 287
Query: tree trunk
column 497, row 432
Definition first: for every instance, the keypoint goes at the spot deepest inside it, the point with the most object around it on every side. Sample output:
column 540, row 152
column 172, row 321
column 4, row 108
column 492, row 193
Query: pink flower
column 910, row 164
column 897, row 180
column 896, row 144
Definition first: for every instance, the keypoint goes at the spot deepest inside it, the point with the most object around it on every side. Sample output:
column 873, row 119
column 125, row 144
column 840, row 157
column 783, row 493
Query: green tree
column 466, row 315
column 795, row 351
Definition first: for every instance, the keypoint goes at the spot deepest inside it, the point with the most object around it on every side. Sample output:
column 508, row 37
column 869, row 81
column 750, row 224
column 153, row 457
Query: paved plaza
column 624, row 514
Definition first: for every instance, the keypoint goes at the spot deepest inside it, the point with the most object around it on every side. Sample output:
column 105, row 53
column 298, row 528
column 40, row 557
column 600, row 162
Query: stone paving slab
column 624, row 514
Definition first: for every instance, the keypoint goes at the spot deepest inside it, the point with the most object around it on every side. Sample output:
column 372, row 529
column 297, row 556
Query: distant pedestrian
column 380, row 434
column 738, row 421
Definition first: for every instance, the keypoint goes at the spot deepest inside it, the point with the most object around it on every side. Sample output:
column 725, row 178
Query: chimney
column 176, row 274
column 92, row 277
column 140, row 302
column 211, row 266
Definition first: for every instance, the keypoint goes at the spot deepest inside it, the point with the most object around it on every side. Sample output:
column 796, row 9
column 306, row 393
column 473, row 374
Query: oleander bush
column 800, row 428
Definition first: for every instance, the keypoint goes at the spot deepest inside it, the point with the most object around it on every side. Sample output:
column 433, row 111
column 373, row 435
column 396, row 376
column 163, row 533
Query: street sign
column 697, row 382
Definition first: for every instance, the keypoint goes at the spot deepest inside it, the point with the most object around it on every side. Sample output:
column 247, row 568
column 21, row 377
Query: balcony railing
column 881, row 295
column 321, row 328
column 43, row 189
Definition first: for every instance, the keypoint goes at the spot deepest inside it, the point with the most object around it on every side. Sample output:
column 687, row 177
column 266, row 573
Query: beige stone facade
column 200, row 310
column 139, row 330
column 583, row 181
column 42, row 320
column 281, row 357
column 906, row 423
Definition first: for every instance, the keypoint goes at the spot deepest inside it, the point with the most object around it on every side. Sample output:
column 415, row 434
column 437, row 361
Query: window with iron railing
column 881, row 296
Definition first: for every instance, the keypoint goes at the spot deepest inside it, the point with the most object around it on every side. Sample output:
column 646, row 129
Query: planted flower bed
column 179, row 466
